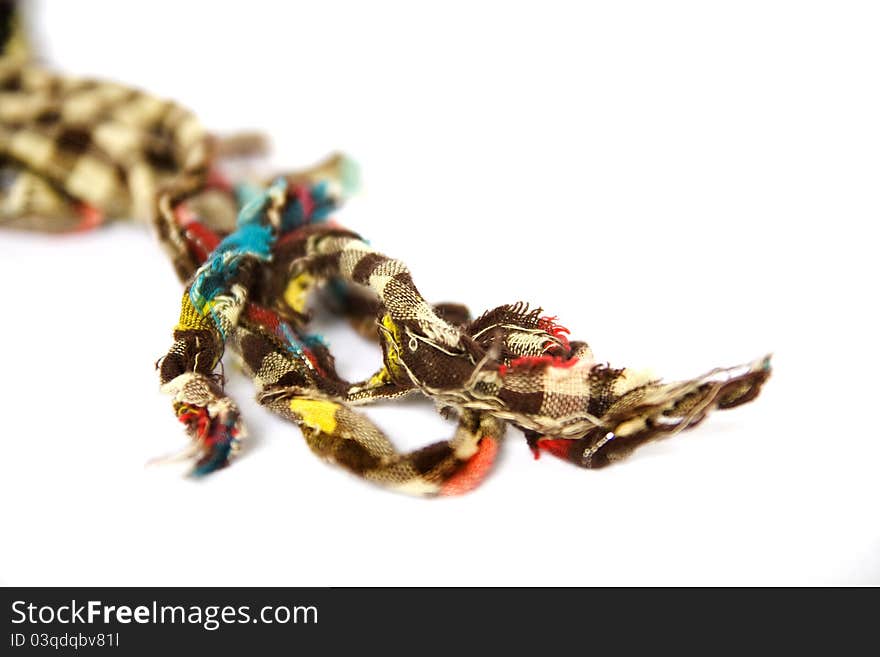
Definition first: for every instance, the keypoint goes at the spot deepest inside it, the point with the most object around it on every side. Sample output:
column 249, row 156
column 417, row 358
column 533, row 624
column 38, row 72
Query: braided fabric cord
column 77, row 153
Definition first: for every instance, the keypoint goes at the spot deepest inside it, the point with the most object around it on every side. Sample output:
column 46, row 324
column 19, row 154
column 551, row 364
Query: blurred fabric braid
column 76, row 153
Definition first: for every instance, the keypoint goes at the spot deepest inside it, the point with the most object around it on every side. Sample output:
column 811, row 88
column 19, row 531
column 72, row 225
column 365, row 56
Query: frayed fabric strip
column 511, row 365
column 255, row 255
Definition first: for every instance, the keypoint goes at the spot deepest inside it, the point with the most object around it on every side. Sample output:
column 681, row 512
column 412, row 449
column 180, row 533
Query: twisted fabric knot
column 512, row 364
column 76, row 153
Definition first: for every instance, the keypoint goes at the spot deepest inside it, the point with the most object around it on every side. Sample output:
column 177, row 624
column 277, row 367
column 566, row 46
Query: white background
column 686, row 184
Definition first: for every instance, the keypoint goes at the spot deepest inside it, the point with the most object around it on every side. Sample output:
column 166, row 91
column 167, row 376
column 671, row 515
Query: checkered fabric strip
column 510, row 365
column 256, row 258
